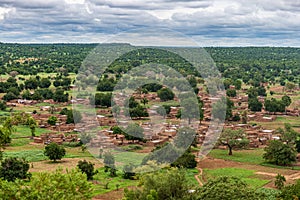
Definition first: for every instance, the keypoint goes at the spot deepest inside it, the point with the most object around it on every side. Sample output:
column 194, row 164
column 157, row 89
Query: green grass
column 37, row 154
column 244, row 174
column 254, row 156
column 245, row 156
column 30, row 155
column 19, row 142
column 24, row 131
column 123, row 158
column 190, row 176
column 104, row 178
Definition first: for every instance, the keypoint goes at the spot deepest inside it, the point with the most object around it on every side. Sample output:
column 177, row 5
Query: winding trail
column 197, row 176
column 200, row 172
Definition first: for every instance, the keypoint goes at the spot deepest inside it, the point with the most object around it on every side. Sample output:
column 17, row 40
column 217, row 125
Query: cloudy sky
column 207, row 22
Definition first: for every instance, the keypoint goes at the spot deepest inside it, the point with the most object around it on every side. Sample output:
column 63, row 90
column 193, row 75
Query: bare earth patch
column 113, row 195
column 68, row 163
column 262, row 172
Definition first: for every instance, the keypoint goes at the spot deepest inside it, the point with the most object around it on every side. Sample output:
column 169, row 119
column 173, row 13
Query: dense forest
column 250, row 64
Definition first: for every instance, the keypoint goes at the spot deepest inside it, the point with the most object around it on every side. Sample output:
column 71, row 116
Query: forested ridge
column 246, row 63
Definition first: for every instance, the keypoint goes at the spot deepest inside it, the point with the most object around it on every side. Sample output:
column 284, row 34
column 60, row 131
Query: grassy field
column 103, row 179
column 34, row 153
column 246, row 156
column 118, row 182
column 244, row 174
column 254, row 157
column 24, row 131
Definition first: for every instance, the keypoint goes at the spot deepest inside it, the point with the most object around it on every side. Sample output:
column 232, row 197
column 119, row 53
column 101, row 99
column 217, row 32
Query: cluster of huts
column 155, row 134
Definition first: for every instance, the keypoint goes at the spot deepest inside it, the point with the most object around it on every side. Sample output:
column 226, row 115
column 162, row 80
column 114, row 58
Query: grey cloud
column 211, row 19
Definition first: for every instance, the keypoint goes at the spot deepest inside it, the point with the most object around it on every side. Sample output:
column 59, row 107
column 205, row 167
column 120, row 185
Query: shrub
column 87, row 168
column 13, row 168
column 54, row 152
column 52, row 120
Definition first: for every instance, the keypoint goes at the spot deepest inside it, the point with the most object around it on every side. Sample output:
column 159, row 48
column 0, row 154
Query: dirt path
column 199, row 175
column 200, row 172
column 291, row 177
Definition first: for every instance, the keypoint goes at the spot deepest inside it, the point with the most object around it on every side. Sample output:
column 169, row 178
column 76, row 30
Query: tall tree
column 233, row 139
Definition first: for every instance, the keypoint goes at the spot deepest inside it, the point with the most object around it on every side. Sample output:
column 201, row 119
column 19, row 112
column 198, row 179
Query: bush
column 279, row 153
column 226, row 187
column 14, row 168
column 187, row 160
column 54, row 152
column 9, row 96
column 231, row 92
column 128, row 171
column 132, row 147
column 2, row 105
column 52, row 120
column 73, row 116
column 49, row 186
column 236, row 118
column 165, row 94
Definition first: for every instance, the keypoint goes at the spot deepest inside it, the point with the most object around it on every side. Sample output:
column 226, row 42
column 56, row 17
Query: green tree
column 71, row 184
column 274, row 105
column 116, row 110
column 286, row 100
column 152, row 87
column 184, row 138
column 288, row 134
column 161, row 111
column 252, row 93
column 54, row 151
column 134, row 132
column 109, row 164
column 109, row 160
column 101, row 99
column 166, row 184
column 233, row 139
column 237, row 84
column 60, row 96
column 14, row 168
column 3, row 105
column 254, row 105
column 165, row 94
column 290, row 86
column 52, row 120
column 44, row 83
column 9, row 96
column 144, row 101
column 31, row 84
column 231, row 92
column 87, row 168
column 5, row 135
column 222, row 109
column 189, row 111
column 137, row 112
column 279, row 153
column 128, row 171
column 31, row 122
column 244, row 117
column 290, row 192
column 187, row 160
column 73, row 116
column 279, row 181
column 225, row 187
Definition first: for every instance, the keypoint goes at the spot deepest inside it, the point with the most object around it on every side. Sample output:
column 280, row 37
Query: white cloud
column 3, row 12
column 214, row 22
